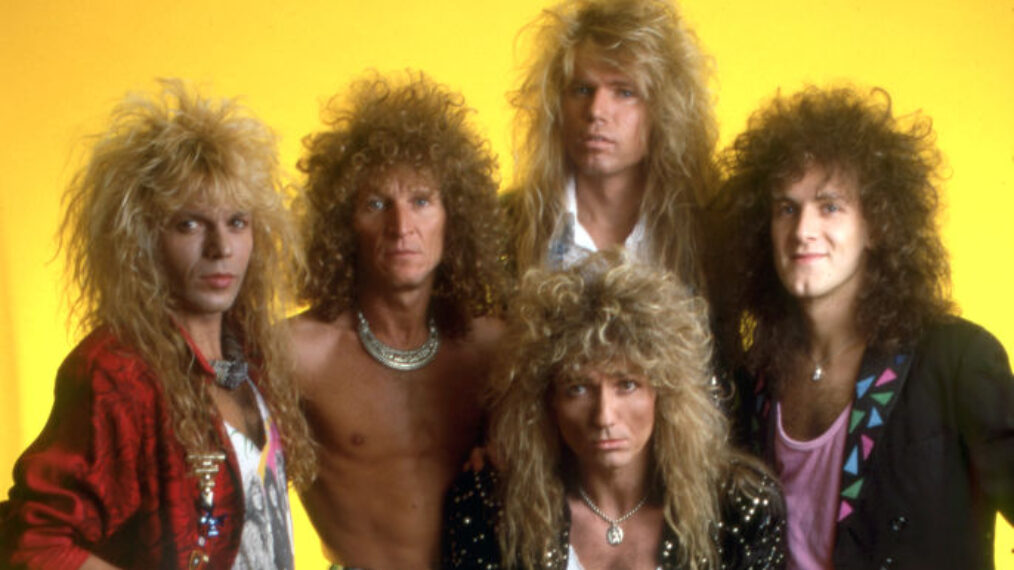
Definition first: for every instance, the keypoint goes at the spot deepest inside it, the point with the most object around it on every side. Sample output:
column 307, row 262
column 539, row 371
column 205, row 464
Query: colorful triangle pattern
column 844, row 510
column 874, row 395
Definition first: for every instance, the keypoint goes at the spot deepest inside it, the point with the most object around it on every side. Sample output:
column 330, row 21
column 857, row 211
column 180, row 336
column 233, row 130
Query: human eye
column 422, row 200
column 626, row 92
column 239, row 221
column 831, row 207
column 373, row 204
column 627, row 385
column 576, row 389
column 582, row 89
column 784, row 208
column 185, row 224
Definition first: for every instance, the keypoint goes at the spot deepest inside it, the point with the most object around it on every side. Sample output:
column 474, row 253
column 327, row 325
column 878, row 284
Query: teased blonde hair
column 647, row 39
column 604, row 310
column 158, row 154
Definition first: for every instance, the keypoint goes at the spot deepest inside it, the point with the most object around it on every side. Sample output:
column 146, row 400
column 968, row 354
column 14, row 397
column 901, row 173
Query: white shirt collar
column 635, row 242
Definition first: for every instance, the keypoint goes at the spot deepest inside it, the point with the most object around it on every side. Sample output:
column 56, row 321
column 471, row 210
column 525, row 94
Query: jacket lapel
column 881, row 378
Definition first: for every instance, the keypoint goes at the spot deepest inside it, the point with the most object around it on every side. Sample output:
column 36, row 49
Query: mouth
column 401, row 252
column 594, row 141
column 608, row 444
column 219, row 280
column 807, row 257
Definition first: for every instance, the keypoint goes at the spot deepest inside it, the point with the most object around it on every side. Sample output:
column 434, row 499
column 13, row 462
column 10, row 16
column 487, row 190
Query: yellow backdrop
column 64, row 63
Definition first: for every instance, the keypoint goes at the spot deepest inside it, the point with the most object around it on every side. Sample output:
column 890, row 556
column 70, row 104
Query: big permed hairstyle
column 648, row 40
column 159, row 154
column 895, row 164
column 418, row 123
column 605, row 312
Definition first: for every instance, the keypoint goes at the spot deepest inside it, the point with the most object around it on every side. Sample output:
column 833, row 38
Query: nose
column 398, row 219
column 217, row 242
column 806, row 223
column 598, row 105
column 604, row 414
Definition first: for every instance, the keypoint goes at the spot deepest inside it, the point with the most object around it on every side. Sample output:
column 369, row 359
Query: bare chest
column 809, row 408
column 361, row 409
column 642, row 535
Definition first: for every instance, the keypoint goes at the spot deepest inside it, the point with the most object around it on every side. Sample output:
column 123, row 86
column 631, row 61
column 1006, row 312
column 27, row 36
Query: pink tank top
column 810, row 472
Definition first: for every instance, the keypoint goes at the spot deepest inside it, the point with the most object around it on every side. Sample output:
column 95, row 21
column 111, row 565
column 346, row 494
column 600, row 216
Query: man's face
column 399, row 224
column 605, row 418
column 206, row 250
column 605, row 119
column 819, row 236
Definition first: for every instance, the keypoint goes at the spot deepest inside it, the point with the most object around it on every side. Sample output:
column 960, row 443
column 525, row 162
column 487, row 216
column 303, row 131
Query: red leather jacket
column 107, row 476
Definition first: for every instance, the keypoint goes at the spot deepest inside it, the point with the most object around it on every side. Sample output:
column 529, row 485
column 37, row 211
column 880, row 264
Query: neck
column 616, row 491
column 398, row 319
column 205, row 331
column 832, row 327
column 610, row 205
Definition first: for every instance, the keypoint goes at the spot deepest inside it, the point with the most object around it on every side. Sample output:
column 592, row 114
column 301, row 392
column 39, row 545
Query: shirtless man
column 615, row 135
column 403, row 238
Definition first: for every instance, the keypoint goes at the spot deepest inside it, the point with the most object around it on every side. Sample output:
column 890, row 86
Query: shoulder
column 471, row 513
column 102, row 363
column 750, row 487
column 959, row 334
column 307, row 326
column 752, row 530
column 313, row 338
column 954, row 347
column 486, row 333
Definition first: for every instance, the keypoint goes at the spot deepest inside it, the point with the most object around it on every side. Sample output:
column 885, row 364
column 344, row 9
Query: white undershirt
column 266, row 540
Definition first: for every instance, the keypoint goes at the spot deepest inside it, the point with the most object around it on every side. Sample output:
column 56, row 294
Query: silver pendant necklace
column 818, row 366
column 395, row 358
column 614, row 535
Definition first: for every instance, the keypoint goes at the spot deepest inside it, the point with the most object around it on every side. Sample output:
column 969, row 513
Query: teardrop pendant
column 614, row 535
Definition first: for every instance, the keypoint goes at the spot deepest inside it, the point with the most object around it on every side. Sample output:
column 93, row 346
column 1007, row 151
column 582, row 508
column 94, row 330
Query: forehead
column 206, row 204
column 599, row 370
column 206, row 195
column 817, row 182
column 593, row 62
column 400, row 179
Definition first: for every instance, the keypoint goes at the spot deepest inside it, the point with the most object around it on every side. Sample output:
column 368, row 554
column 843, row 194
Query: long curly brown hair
column 896, row 165
column 383, row 123
column 649, row 40
column 603, row 310
column 158, row 154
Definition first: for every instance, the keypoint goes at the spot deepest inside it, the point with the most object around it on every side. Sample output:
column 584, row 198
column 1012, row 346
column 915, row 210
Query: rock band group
column 644, row 353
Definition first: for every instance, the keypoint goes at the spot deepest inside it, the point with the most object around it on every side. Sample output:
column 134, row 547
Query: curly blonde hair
column 158, row 154
column 603, row 310
column 648, row 40
column 384, row 123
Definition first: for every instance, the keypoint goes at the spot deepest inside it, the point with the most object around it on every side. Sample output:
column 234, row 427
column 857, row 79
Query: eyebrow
column 822, row 194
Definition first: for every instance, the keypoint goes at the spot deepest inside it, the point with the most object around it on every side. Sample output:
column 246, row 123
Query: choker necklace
column 614, row 535
column 818, row 366
column 232, row 370
column 403, row 360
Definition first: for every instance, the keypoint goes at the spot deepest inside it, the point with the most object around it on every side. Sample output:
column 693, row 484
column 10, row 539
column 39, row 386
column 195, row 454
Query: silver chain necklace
column 818, row 365
column 403, row 360
column 614, row 536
